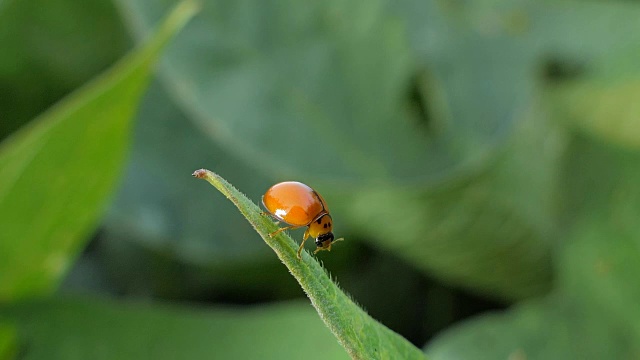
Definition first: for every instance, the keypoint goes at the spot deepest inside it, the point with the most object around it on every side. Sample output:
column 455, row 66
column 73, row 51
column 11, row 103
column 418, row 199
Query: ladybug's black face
column 324, row 240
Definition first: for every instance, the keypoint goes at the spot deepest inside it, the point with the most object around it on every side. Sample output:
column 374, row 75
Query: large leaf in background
column 50, row 48
column 594, row 312
column 159, row 207
column 600, row 42
column 605, row 104
column 556, row 328
column 594, row 316
column 170, row 212
column 68, row 328
column 603, row 256
column 492, row 234
column 57, row 172
column 327, row 90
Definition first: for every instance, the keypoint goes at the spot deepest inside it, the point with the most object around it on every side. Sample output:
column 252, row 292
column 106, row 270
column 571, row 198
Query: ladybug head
column 324, row 241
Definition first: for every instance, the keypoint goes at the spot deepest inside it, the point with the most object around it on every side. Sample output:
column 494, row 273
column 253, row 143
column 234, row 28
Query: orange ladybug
column 299, row 205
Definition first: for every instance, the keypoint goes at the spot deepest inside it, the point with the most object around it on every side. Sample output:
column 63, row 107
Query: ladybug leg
column 304, row 238
column 282, row 229
column 328, row 248
column 320, row 249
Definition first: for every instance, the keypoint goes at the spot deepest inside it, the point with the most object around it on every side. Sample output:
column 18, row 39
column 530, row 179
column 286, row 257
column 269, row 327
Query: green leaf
column 362, row 336
column 58, row 171
column 343, row 84
column 72, row 328
column 602, row 258
column 156, row 214
column 604, row 103
column 524, row 333
column 50, row 48
column 595, row 39
column 593, row 313
column 556, row 328
column 154, row 225
column 8, row 347
column 388, row 100
column 486, row 233
column 589, row 33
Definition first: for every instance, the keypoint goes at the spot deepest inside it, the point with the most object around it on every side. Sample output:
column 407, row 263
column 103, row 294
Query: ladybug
column 298, row 205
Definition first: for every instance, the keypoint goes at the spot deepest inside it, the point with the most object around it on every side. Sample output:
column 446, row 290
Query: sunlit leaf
column 58, row 171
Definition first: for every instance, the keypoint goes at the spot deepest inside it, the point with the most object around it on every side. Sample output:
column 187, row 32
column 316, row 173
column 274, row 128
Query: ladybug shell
column 294, row 203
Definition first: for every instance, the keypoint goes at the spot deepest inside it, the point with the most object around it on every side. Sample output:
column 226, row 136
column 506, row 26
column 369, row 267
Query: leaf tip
column 200, row 173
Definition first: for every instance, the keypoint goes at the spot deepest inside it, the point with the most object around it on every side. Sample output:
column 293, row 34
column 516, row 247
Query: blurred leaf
column 50, row 48
column 603, row 42
column 524, row 333
column 175, row 225
column 57, row 172
column 408, row 91
column 71, row 328
column 340, row 84
column 8, row 345
column 603, row 259
column 602, row 265
column 593, row 314
column 605, row 104
column 552, row 329
column 393, row 97
column 170, row 214
column 362, row 336
column 489, row 233
column 594, row 34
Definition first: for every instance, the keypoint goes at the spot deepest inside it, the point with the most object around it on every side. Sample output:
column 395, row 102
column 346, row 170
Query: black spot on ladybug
column 319, row 221
column 325, row 226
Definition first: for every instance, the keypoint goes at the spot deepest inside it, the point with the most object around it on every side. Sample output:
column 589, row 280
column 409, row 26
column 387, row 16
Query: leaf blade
column 58, row 171
column 362, row 336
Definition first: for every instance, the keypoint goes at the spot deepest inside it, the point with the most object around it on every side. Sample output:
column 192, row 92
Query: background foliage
column 481, row 159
